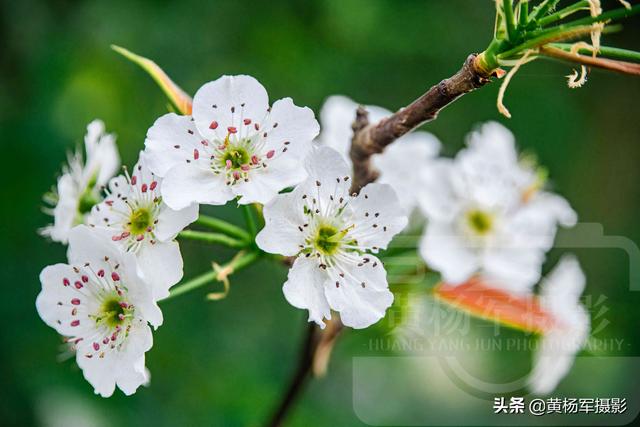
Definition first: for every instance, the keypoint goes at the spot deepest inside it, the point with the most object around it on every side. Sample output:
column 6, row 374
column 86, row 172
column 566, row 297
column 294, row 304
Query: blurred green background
column 226, row 363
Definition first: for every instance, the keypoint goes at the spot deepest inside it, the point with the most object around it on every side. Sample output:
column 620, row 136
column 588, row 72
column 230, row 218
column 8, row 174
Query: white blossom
column 234, row 144
column 134, row 216
column 560, row 297
column 399, row 164
column 102, row 306
column 487, row 214
column 78, row 188
column 333, row 236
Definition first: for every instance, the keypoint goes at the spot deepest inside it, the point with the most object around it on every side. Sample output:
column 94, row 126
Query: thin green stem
column 235, row 264
column 611, row 15
column 215, row 238
column 223, row 227
column 563, row 13
column 543, row 8
column 249, row 220
column 507, row 7
column 523, row 13
column 609, row 52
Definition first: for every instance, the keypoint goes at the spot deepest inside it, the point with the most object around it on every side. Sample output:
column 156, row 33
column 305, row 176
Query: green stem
column 223, row 226
column 216, row 238
column 609, row 52
column 249, row 220
column 236, row 264
column 610, row 15
column 543, row 8
column 523, row 14
column 563, row 13
column 507, row 6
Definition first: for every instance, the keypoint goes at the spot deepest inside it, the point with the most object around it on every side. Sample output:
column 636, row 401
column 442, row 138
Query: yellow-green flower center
column 112, row 312
column 140, row 220
column 327, row 239
column 238, row 156
column 480, row 222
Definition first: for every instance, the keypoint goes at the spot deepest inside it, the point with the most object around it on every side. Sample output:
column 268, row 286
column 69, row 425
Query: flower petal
column 287, row 123
column 170, row 142
column 514, row 268
column 264, row 184
column 445, row 251
column 362, row 296
column 400, row 165
column 283, row 216
column 436, row 195
column 185, row 184
column 171, row 222
column 304, row 289
column 377, row 216
column 161, row 266
column 228, row 101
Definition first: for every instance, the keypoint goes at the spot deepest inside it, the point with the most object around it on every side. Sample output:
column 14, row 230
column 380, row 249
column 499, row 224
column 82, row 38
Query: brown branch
column 369, row 139
column 316, row 341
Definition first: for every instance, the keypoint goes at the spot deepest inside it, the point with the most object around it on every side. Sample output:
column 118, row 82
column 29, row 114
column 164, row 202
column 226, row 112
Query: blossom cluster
column 488, row 219
column 486, row 215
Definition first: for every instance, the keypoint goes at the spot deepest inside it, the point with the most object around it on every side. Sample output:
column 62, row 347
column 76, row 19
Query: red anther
column 100, row 273
column 247, row 121
column 144, row 188
column 115, row 276
column 124, row 304
column 75, row 323
column 109, row 202
column 270, row 153
column 105, row 341
column 114, row 336
column 96, row 346
column 244, row 167
column 125, row 234
column 78, row 285
column 66, row 282
column 236, row 175
column 213, row 125
column 85, row 279
column 134, row 179
column 140, row 238
column 75, row 301
column 232, row 129
column 196, row 154
column 254, row 159
column 256, row 126
column 228, row 164
column 116, row 238
column 121, row 316
column 153, row 185
column 204, row 142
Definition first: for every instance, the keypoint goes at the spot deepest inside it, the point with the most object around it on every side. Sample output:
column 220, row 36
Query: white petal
column 264, row 184
column 337, row 115
column 359, row 306
column 53, row 292
column 515, row 269
column 400, row 165
column 90, row 246
column 561, row 289
column 326, row 166
column 102, row 159
column 377, row 216
column 171, row 222
column 161, row 266
column 170, row 141
column 189, row 183
column 304, row 289
column 282, row 216
column 66, row 210
column 447, row 252
column 436, row 195
column 494, row 141
column 228, row 101
column 536, row 222
column 289, row 123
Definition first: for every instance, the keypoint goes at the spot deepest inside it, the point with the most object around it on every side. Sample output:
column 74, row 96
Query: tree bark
column 373, row 138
